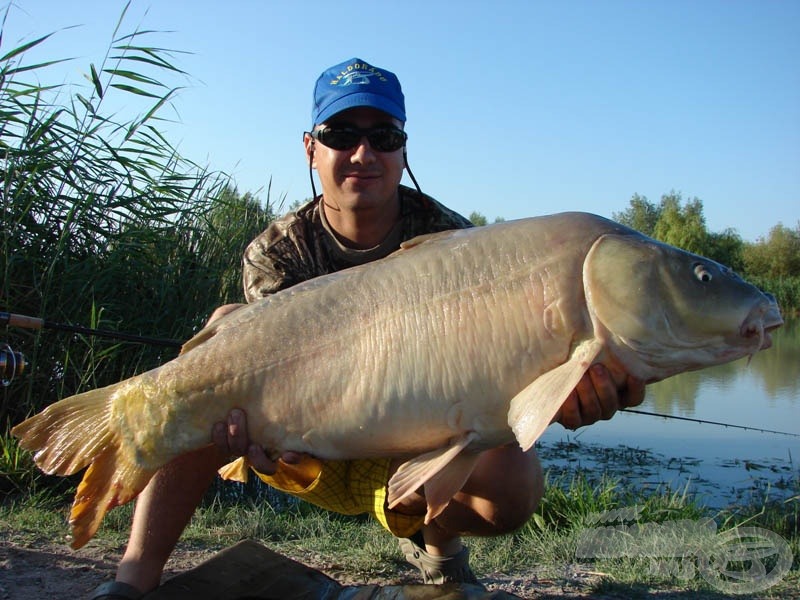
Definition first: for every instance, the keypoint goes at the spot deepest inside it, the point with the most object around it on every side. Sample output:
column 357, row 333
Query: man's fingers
column 606, row 393
column 260, row 461
column 232, row 440
column 634, row 392
column 588, row 400
column 569, row 413
column 293, row 458
column 237, row 432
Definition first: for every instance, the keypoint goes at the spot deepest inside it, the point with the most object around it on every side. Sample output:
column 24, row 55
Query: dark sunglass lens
column 339, row 139
column 386, row 140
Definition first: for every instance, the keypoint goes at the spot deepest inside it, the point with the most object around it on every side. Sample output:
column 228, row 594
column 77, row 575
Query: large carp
column 458, row 342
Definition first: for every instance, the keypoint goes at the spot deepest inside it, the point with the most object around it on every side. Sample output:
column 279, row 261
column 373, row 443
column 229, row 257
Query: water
column 721, row 465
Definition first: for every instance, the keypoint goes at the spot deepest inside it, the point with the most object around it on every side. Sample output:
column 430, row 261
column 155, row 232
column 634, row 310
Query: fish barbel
column 458, row 342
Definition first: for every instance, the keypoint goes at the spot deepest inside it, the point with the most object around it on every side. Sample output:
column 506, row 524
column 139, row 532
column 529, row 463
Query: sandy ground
column 36, row 570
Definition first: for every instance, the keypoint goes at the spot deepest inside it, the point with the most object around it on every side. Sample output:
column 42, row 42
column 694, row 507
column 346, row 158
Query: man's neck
column 362, row 228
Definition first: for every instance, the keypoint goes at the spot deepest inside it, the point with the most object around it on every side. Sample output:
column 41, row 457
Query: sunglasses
column 382, row 139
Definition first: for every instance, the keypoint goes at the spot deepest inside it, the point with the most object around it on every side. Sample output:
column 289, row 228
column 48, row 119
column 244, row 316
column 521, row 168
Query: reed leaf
column 105, row 223
column 96, row 81
column 20, row 50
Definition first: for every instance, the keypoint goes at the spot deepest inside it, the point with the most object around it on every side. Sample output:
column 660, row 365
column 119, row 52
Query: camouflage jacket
column 300, row 246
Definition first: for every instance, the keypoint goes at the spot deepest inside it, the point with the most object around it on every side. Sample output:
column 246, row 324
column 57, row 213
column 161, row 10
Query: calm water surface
column 722, row 465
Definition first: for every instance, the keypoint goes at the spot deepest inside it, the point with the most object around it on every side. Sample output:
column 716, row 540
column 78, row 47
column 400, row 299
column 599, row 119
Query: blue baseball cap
column 354, row 83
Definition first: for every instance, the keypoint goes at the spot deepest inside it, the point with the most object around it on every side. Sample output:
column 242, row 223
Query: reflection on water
column 723, row 464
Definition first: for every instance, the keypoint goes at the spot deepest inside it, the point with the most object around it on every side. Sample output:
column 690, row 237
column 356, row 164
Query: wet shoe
column 438, row 569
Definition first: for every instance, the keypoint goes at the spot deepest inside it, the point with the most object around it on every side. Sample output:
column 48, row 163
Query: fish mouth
column 761, row 322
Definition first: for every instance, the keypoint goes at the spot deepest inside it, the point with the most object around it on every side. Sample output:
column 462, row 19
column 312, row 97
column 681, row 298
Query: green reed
column 104, row 223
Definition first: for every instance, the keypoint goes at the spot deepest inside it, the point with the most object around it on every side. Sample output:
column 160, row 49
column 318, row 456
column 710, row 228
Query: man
column 358, row 147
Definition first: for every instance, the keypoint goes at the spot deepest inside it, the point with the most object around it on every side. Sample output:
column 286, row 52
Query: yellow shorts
column 346, row 487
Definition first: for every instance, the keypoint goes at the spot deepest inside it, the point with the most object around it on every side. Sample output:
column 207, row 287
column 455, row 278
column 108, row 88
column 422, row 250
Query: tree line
column 682, row 224
column 771, row 262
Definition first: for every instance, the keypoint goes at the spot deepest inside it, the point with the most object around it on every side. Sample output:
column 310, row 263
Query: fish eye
column 702, row 273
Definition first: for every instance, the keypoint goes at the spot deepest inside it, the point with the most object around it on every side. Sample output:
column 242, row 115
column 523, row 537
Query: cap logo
column 358, row 74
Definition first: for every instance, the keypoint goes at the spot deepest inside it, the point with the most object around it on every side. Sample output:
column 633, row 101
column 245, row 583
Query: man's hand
column 598, row 396
column 231, row 439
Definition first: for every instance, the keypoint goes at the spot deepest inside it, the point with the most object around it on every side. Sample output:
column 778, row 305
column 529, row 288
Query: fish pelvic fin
column 443, row 472
column 238, row 470
column 534, row 408
column 76, row 432
column 109, row 481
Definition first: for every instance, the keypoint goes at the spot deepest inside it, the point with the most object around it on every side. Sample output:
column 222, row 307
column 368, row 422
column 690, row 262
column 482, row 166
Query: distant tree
column 297, row 204
column 641, row 215
column 237, row 218
column 681, row 225
column 231, row 224
column 727, row 248
column 477, row 219
column 777, row 256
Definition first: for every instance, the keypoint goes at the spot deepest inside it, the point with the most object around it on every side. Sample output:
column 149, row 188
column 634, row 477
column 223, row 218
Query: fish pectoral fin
column 237, row 470
column 533, row 409
column 442, row 471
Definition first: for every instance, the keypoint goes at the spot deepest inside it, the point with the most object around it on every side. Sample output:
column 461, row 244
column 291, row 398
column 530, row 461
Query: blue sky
column 515, row 108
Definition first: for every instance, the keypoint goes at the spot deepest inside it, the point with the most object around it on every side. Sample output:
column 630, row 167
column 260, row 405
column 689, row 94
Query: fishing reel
column 12, row 364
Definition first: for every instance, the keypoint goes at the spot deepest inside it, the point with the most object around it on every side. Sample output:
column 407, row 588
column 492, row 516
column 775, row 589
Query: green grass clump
column 548, row 545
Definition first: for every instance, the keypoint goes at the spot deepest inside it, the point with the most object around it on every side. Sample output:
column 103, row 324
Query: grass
column 548, row 543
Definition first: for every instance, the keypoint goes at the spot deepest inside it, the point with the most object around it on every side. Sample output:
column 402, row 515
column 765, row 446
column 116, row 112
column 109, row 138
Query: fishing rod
column 36, row 323
column 704, row 421
column 13, row 363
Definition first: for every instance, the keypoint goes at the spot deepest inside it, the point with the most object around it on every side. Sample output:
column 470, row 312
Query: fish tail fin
column 76, row 432
column 67, row 435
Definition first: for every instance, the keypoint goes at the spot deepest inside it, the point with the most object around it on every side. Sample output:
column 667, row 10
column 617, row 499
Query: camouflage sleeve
column 274, row 261
column 259, row 274
column 426, row 215
column 450, row 219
